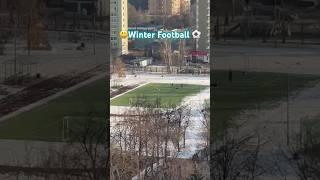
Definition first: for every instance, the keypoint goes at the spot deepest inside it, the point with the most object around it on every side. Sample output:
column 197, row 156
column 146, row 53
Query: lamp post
column 15, row 45
column 287, row 103
column 94, row 27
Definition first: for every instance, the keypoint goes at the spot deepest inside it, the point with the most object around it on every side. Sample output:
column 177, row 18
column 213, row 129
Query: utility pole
column 29, row 30
column 94, row 28
column 287, row 104
column 233, row 10
column 302, row 33
column 15, row 46
column 288, row 130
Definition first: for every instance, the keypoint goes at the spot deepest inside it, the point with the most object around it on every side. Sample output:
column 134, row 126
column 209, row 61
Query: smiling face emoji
column 123, row 34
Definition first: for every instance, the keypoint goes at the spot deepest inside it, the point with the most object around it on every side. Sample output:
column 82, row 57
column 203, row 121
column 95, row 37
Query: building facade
column 156, row 7
column 64, row 14
column 169, row 7
column 77, row 14
column 103, row 8
column 185, row 6
column 4, row 12
column 83, row 7
column 118, row 23
column 3, row 5
column 203, row 25
column 174, row 7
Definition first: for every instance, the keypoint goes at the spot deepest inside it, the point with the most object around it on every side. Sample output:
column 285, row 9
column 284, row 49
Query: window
column 70, row 7
column 88, row 7
column 113, row 19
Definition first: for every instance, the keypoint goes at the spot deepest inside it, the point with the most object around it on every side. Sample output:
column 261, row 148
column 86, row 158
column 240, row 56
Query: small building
column 142, row 61
column 200, row 57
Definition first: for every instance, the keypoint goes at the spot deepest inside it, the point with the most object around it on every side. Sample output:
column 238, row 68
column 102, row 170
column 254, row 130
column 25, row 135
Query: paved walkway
column 271, row 124
column 194, row 135
column 25, row 153
column 298, row 60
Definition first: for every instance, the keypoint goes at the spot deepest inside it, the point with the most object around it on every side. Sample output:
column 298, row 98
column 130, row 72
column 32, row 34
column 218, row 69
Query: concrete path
column 271, row 124
column 194, row 136
column 298, row 60
column 25, row 153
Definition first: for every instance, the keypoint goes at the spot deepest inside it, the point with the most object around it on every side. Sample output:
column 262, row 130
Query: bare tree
column 166, row 54
column 148, row 135
column 232, row 159
column 304, row 154
column 206, row 120
column 30, row 15
column 119, row 68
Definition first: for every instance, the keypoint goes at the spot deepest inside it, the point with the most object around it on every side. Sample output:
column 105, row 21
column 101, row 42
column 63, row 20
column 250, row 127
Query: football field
column 169, row 95
column 46, row 122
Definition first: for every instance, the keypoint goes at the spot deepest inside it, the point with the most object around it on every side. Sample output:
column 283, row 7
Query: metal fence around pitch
column 10, row 69
column 164, row 69
column 74, row 125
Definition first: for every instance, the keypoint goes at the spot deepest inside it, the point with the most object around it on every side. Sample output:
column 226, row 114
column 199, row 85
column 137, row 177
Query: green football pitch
column 168, row 94
column 46, row 121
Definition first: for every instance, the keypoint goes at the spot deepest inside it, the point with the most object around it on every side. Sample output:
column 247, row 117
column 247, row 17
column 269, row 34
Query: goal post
column 75, row 123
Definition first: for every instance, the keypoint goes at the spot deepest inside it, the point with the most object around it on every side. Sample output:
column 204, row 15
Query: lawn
column 250, row 91
column 45, row 121
column 169, row 94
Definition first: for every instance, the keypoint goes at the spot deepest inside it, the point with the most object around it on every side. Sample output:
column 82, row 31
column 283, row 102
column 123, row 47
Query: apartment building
column 168, row 7
column 118, row 22
column 77, row 14
column 185, row 6
column 203, row 25
column 4, row 12
column 174, row 7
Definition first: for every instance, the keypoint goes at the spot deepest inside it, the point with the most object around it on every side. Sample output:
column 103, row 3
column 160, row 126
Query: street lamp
column 287, row 121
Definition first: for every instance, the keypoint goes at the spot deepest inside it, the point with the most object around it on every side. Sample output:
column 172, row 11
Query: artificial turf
column 45, row 122
column 170, row 95
column 238, row 91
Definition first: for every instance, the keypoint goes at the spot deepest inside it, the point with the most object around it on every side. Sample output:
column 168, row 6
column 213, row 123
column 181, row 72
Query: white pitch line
column 129, row 90
column 51, row 97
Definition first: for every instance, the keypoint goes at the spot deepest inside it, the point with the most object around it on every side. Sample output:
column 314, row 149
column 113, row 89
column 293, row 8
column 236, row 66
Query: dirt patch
column 122, row 90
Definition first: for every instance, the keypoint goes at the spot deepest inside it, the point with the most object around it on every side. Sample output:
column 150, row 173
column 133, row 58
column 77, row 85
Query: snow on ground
column 194, row 135
column 129, row 90
column 158, row 78
column 16, row 152
column 258, row 57
column 272, row 122
column 296, row 59
column 195, row 139
column 61, row 59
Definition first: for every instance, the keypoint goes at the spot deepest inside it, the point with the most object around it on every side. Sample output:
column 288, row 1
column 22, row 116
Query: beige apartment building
column 203, row 25
column 185, row 6
column 118, row 23
column 169, row 7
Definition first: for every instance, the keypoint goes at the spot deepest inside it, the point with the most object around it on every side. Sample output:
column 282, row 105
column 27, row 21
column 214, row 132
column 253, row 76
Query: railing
column 10, row 69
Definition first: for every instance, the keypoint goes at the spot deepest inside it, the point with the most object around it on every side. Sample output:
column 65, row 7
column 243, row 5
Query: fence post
column 302, row 33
